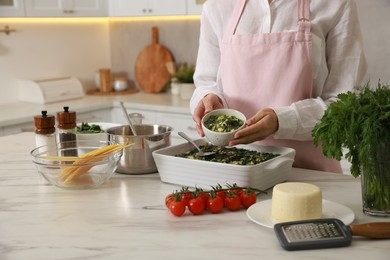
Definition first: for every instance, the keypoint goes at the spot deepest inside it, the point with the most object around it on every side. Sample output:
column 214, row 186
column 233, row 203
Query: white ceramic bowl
column 222, row 138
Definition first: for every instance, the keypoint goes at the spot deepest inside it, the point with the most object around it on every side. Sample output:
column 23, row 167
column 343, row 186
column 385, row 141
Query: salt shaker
column 45, row 130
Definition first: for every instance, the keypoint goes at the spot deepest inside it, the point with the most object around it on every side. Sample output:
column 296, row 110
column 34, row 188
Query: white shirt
column 338, row 58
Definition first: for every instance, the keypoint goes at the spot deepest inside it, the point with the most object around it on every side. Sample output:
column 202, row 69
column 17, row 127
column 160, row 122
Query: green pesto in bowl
column 223, row 123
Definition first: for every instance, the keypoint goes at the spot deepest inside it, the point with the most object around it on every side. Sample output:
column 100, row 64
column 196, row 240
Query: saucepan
column 138, row 158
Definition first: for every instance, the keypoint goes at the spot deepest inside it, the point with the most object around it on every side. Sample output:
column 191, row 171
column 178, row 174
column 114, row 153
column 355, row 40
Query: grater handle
column 371, row 230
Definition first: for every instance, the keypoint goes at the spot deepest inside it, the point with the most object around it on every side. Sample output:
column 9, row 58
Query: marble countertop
column 22, row 112
column 126, row 219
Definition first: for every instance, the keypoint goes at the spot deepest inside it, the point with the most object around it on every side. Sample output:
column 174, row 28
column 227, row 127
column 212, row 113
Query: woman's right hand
column 207, row 104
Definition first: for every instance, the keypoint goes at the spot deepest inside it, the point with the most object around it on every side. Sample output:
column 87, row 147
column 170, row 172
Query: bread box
column 50, row 90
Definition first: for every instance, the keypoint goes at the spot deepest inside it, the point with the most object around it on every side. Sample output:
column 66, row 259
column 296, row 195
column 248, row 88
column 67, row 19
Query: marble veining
column 126, row 219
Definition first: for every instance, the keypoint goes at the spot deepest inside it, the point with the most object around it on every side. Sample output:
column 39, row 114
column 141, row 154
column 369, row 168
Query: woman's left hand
column 206, row 105
column 259, row 127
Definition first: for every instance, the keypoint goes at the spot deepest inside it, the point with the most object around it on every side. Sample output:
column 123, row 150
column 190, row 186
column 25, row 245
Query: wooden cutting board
column 151, row 72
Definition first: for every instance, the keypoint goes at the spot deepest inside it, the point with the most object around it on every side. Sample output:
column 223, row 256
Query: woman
column 281, row 63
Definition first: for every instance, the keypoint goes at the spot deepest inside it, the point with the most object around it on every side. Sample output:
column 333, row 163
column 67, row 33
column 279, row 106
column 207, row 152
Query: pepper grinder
column 67, row 132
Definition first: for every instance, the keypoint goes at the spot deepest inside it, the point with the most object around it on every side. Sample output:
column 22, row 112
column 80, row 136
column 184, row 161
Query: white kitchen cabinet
column 100, row 115
column 180, row 123
column 194, row 7
column 18, row 128
column 11, row 8
column 66, row 8
column 129, row 8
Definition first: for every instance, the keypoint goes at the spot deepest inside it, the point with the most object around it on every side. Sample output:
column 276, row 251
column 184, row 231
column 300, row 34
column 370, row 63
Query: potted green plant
column 360, row 122
column 185, row 73
column 184, row 78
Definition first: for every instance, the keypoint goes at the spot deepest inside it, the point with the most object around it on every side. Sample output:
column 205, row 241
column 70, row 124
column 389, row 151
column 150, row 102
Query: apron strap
column 303, row 10
column 236, row 16
column 304, row 24
column 303, row 17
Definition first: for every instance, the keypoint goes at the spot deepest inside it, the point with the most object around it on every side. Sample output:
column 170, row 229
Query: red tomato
column 221, row 194
column 237, row 191
column 197, row 205
column 232, row 201
column 215, row 205
column 177, row 208
column 204, row 196
column 185, row 197
column 168, row 200
column 234, row 188
column 248, row 198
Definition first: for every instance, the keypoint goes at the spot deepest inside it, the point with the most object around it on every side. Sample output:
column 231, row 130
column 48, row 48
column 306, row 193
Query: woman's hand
column 259, row 127
column 209, row 103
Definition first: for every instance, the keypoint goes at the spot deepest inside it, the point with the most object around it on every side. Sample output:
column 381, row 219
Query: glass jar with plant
column 360, row 122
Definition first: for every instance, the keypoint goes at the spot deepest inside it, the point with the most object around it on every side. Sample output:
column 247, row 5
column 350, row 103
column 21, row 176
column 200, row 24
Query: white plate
column 260, row 212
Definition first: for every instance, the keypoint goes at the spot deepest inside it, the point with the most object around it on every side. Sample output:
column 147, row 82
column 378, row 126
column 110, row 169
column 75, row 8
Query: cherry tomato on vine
column 168, row 200
column 221, row 194
column 234, row 188
column 215, row 204
column 232, row 201
column 248, row 198
column 196, row 205
column 185, row 197
column 204, row 196
column 177, row 207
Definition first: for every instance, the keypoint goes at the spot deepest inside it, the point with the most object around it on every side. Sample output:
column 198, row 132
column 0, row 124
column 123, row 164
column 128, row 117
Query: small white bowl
column 222, row 138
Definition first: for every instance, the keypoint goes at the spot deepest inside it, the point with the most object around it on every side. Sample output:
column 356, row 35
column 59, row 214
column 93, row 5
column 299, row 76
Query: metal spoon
column 128, row 119
column 200, row 152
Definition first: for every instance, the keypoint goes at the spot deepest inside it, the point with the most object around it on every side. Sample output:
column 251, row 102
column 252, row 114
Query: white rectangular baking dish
column 204, row 174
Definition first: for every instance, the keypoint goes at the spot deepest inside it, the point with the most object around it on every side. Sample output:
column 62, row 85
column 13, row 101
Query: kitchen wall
column 375, row 20
column 128, row 38
column 42, row 48
column 46, row 49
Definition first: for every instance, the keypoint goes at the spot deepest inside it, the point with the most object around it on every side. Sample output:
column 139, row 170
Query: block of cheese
column 293, row 201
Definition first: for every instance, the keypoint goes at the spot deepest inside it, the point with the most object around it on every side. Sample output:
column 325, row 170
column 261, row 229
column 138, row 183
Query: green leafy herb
column 86, row 128
column 229, row 155
column 360, row 122
column 185, row 73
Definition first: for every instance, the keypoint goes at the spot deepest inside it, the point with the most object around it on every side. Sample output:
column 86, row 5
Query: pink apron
column 272, row 70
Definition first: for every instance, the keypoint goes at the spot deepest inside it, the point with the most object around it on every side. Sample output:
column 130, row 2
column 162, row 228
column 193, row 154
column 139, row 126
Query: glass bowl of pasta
column 78, row 164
